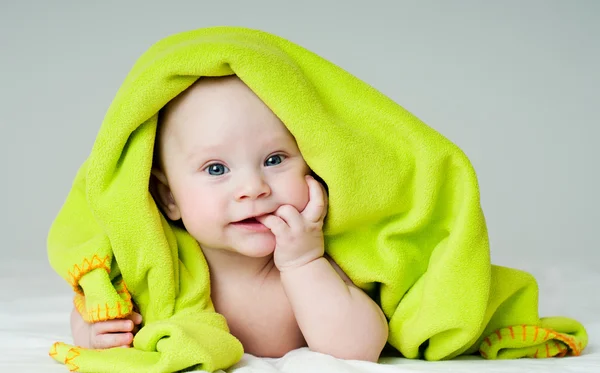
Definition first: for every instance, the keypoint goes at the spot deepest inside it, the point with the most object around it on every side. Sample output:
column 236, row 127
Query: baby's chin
column 257, row 247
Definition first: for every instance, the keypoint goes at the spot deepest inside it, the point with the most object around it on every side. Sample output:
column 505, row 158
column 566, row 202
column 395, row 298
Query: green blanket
column 404, row 220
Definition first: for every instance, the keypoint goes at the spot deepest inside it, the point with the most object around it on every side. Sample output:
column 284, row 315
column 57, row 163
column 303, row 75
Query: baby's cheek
column 198, row 208
column 300, row 194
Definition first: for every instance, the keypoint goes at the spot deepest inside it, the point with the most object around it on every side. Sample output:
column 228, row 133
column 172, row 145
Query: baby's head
column 223, row 157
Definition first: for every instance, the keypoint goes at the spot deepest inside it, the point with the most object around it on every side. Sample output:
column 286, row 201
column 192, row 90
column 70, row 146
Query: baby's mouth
column 250, row 220
column 251, row 224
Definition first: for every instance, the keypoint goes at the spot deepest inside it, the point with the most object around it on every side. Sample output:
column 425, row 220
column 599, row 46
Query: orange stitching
column 78, row 302
column 570, row 342
column 483, row 354
column 95, row 315
column 499, row 334
column 53, row 350
column 563, row 343
column 87, row 266
column 68, row 360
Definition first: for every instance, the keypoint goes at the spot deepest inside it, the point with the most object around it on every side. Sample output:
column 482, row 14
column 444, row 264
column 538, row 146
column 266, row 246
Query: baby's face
column 227, row 159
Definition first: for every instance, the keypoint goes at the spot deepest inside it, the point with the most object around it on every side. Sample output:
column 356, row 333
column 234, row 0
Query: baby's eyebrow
column 281, row 140
column 277, row 142
column 198, row 150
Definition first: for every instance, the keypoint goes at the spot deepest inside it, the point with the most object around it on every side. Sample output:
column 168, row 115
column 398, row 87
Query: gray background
column 513, row 83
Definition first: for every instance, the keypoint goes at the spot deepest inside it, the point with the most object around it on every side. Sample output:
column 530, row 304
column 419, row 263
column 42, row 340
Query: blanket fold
column 404, row 221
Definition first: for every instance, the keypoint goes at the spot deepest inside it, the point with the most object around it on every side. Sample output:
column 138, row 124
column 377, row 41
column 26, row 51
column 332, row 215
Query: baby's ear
column 159, row 188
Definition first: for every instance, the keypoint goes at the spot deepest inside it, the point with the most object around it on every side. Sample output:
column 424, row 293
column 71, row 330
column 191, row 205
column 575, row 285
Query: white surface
column 33, row 315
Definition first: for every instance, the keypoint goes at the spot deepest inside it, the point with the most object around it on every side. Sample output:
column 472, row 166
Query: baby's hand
column 104, row 334
column 299, row 235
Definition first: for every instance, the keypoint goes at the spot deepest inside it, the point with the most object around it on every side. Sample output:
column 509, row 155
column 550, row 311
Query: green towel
column 404, row 220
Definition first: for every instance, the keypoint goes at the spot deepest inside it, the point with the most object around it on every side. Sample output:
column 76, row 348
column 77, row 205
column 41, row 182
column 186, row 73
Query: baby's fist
column 299, row 235
column 104, row 334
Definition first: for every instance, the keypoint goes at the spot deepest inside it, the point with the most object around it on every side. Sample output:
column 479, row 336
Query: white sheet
column 35, row 305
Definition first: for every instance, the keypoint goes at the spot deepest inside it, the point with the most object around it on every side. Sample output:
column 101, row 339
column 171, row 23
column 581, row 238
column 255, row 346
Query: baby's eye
column 216, row 169
column 274, row 160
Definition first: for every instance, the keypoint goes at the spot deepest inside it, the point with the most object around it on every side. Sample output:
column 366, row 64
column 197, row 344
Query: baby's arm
column 104, row 334
column 336, row 317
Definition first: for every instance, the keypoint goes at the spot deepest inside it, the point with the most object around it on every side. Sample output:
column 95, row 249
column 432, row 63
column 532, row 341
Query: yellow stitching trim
column 104, row 313
column 88, row 265
column 69, row 360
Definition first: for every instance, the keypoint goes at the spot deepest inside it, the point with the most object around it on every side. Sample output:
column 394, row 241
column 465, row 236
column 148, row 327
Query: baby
column 232, row 173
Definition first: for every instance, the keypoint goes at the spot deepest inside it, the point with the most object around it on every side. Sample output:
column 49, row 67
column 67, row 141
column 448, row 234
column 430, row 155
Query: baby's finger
column 314, row 210
column 274, row 223
column 290, row 215
column 112, row 326
column 325, row 200
column 135, row 317
column 111, row 340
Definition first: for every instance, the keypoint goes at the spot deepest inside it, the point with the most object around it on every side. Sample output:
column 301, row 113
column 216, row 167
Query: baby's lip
column 247, row 220
column 251, row 224
column 251, row 219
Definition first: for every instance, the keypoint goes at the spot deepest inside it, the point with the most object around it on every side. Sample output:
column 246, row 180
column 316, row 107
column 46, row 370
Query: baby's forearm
column 335, row 318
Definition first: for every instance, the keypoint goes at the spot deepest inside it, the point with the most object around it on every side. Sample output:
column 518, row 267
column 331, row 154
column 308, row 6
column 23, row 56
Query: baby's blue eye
column 216, row 169
column 274, row 160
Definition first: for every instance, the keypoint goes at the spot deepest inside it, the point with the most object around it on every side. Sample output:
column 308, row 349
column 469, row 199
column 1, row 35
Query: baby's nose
column 253, row 187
